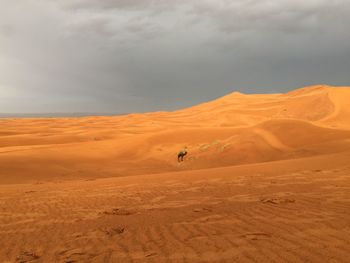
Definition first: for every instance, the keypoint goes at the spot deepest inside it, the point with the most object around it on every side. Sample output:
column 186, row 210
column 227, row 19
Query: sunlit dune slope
column 313, row 104
column 232, row 130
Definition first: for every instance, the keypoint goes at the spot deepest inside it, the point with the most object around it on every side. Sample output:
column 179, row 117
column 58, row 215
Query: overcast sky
column 143, row 55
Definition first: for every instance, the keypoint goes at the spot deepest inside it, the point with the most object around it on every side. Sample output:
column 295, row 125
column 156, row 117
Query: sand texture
column 266, row 179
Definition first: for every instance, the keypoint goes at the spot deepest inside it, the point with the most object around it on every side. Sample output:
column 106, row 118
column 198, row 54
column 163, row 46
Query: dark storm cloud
column 285, row 15
column 137, row 55
column 138, row 5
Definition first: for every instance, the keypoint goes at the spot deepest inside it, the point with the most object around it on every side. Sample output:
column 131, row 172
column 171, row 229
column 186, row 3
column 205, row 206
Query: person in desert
column 182, row 154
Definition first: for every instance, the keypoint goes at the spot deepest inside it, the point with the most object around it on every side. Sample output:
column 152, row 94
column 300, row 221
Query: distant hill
column 56, row 115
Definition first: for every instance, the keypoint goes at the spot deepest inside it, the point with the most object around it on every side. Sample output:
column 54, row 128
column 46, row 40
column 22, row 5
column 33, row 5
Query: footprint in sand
column 119, row 212
column 276, row 200
column 114, row 231
column 75, row 255
column 203, row 209
column 256, row 236
column 27, row 257
column 151, row 254
column 30, row 192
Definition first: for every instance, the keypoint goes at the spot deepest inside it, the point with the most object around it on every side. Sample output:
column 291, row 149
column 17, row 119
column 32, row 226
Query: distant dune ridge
column 110, row 189
column 233, row 130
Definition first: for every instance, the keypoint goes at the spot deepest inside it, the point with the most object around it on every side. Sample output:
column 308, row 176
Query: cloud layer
column 141, row 55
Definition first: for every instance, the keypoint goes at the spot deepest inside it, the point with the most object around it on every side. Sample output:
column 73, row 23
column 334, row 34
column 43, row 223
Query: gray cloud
column 6, row 30
column 122, row 56
column 285, row 15
column 130, row 5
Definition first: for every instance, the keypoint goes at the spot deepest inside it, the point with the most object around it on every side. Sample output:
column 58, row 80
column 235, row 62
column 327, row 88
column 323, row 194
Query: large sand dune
column 233, row 130
column 278, row 187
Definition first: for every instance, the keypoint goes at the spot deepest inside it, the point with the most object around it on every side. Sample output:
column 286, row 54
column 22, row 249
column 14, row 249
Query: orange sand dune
column 236, row 129
column 267, row 179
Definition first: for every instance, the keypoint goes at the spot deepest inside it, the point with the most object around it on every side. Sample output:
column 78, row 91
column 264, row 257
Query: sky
column 121, row 56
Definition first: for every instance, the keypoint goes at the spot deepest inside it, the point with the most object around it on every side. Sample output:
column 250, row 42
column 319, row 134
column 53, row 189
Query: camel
column 181, row 155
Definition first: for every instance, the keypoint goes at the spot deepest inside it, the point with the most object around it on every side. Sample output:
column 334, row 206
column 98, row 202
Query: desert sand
column 266, row 179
